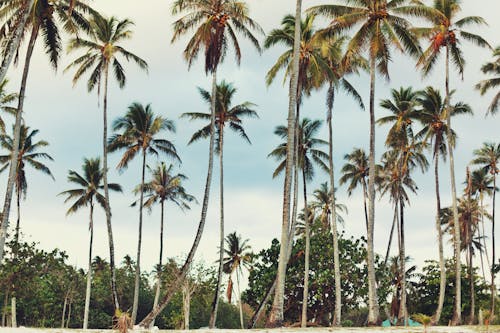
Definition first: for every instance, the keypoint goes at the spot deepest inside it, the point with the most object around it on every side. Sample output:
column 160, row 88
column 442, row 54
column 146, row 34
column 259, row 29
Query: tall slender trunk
column 403, row 313
column 13, row 311
column 160, row 263
column 89, row 273
column 276, row 315
column 65, row 305
column 215, row 302
column 107, row 207
column 69, row 312
column 457, row 312
column 139, row 243
column 493, row 287
column 15, row 144
column 15, row 40
column 373, row 307
column 186, row 303
column 391, row 234
column 5, row 306
column 18, row 223
column 439, row 230
column 174, row 288
column 364, row 204
column 337, row 314
column 239, row 300
column 305, row 294
column 482, row 234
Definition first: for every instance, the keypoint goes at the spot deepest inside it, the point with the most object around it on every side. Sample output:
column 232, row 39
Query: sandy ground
column 438, row 329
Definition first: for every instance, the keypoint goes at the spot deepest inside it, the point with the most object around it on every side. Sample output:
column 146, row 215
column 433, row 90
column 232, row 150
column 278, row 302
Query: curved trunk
column 403, row 314
column 336, row 258
column 174, row 288
column 89, row 273
column 276, row 315
column 107, row 207
column 442, row 268
column 215, row 302
column 373, row 307
column 305, row 294
column 139, row 243
column 457, row 314
column 15, row 144
column 15, row 40
column 160, row 268
column 391, row 234
column 493, row 287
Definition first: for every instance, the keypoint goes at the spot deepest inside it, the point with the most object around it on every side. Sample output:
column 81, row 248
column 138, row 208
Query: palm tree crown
column 491, row 68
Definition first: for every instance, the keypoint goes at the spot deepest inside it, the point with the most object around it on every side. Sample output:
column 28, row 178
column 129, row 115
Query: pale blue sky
column 69, row 118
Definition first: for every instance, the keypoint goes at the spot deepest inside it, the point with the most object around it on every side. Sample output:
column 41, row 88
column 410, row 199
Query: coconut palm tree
column 323, row 196
column 102, row 52
column 488, row 157
column 225, row 114
column 446, row 33
column 380, row 28
column 308, row 153
column 491, row 68
column 163, row 187
column 432, row 116
column 216, row 23
column 140, row 129
column 88, row 192
column 5, row 99
column 45, row 18
column 237, row 256
column 28, row 154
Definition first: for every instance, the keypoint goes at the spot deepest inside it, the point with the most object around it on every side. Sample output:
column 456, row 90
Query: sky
column 70, row 119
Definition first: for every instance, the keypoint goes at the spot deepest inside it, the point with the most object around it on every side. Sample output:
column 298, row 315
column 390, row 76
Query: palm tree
column 44, row 18
column 381, row 28
column 323, row 203
column 89, row 185
column 446, row 32
column 432, row 116
column 164, row 186
column 307, row 154
column 140, row 128
column 101, row 52
column 216, row 23
column 28, row 154
column 5, row 99
column 238, row 256
column 355, row 172
column 488, row 157
column 491, row 68
column 225, row 114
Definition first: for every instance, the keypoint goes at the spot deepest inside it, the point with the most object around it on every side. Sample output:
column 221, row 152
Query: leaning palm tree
column 163, row 187
column 45, row 18
column 432, row 116
column 446, row 33
column 140, row 130
column 237, row 256
column 5, row 99
column 28, row 154
column 488, row 157
column 380, row 28
column 216, row 23
column 88, row 191
column 225, row 115
column 102, row 52
column 308, row 154
column 491, row 68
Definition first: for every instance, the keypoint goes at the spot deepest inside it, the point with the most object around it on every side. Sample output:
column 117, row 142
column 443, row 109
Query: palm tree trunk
column 373, row 307
column 18, row 223
column 15, row 145
column 4, row 312
column 215, row 302
column 186, row 303
column 15, row 40
column 160, row 268
column 442, row 268
column 493, row 287
column 457, row 314
column 403, row 313
column 239, row 300
column 139, row 243
column 89, row 273
column 472, row 318
column 364, row 204
column 483, row 237
column 174, row 288
column 107, row 207
column 65, row 305
column 305, row 294
column 69, row 312
column 13, row 311
column 391, row 234
column 276, row 315
column 336, row 257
